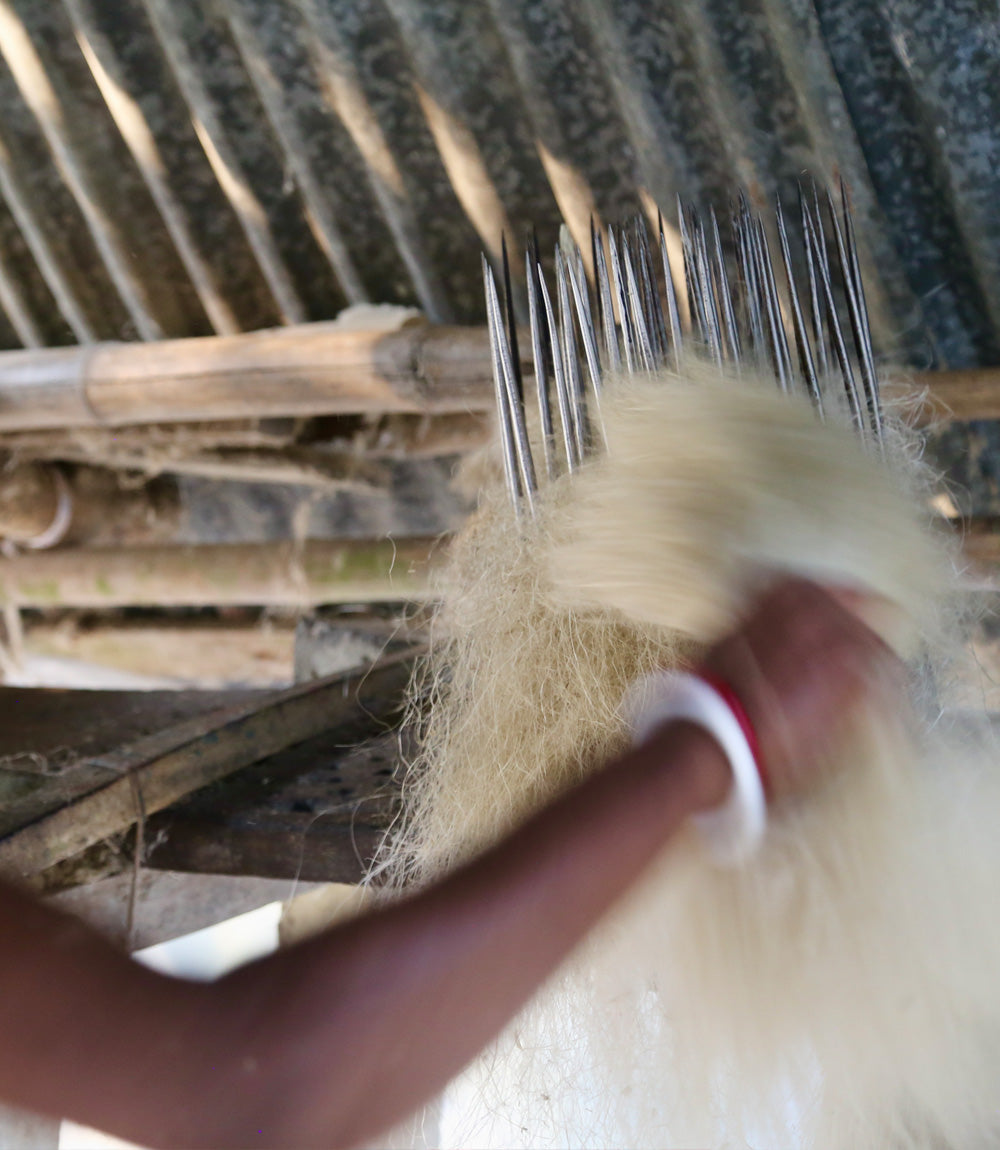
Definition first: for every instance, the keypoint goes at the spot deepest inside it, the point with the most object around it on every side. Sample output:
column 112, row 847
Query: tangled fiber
column 840, row 990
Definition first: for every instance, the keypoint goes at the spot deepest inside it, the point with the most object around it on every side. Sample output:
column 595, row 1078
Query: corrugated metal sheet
column 178, row 167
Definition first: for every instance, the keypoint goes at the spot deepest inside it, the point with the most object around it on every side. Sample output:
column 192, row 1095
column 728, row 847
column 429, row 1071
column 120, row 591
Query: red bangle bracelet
column 732, row 700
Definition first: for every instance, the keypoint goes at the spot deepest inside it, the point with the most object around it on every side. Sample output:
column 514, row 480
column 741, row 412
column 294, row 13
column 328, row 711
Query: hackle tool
column 806, row 330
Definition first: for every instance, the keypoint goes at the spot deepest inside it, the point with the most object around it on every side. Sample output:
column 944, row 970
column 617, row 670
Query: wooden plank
column 290, row 847
column 58, row 745
column 224, row 744
column 250, row 574
column 315, row 813
column 178, row 651
column 247, row 447
column 45, row 388
column 319, row 807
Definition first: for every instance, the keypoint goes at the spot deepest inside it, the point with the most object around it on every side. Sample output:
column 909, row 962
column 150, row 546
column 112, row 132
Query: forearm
column 330, row 1043
column 365, row 1023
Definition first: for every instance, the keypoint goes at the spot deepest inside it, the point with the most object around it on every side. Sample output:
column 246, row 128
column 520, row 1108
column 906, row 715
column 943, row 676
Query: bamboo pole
column 309, row 369
column 262, row 574
column 251, row 574
column 316, row 369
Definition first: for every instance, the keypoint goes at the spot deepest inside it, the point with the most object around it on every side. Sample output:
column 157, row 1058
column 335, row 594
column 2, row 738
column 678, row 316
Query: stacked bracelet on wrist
column 732, row 831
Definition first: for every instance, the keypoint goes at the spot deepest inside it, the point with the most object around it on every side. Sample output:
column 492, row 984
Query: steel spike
column 801, row 335
column 869, row 380
column 624, row 318
column 538, row 355
column 571, row 362
column 504, row 416
column 695, row 301
column 508, row 302
column 562, row 393
column 585, row 320
column 603, row 284
column 652, row 304
column 816, row 312
column 709, row 304
column 515, row 393
column 635, row 307
column 725, row 294
column 673, row 313
column 779, row 334
column 836, row 333
column 751, row 290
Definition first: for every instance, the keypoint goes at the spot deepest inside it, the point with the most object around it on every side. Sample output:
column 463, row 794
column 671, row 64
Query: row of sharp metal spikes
column 628, row 320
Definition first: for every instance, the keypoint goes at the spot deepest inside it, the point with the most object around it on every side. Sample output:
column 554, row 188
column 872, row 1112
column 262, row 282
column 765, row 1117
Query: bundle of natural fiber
column 839, row 989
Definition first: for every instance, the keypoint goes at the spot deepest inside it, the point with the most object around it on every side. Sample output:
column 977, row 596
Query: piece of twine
column 138, row 852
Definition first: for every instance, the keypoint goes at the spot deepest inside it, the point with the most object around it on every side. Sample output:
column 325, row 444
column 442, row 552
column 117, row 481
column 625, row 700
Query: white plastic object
column 733, row 831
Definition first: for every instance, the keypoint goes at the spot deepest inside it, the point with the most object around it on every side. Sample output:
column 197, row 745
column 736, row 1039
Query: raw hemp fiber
column 839, row 990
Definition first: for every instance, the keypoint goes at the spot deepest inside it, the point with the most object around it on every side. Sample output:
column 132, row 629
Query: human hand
column 801, row 664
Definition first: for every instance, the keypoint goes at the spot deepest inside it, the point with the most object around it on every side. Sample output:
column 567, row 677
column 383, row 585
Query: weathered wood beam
column 354, row 704
column 261, row 450
column 248, row 574
column 319, row 807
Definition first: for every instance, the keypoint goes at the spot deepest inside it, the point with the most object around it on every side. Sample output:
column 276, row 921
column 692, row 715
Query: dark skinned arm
column 332, row 1042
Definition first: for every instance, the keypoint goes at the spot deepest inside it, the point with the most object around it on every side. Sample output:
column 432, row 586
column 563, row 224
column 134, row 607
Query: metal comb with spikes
column 627, row 318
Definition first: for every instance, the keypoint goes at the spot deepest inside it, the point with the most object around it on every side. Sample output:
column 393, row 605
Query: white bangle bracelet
column 733, row 831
